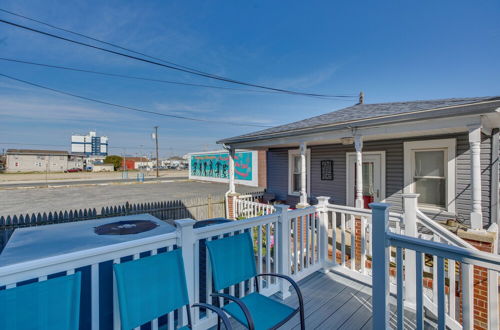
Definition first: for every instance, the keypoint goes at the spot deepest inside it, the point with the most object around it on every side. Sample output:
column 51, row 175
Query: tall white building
column 90, row 144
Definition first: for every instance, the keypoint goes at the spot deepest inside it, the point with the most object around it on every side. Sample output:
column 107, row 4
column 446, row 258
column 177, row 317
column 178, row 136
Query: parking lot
column 29, row 200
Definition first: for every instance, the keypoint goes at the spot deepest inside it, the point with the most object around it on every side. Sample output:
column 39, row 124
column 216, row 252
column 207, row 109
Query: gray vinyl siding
column 394, row 155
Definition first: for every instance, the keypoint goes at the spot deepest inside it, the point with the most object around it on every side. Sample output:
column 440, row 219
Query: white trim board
column 450, row 146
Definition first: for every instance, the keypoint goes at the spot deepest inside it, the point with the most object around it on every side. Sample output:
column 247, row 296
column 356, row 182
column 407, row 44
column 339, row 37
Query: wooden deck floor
column 333, row 301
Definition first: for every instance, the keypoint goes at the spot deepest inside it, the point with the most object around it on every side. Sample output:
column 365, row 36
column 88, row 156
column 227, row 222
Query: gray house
column 444, row 150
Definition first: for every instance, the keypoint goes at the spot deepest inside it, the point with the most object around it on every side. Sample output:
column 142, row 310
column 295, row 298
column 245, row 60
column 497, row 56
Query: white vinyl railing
column 444, row 256
column 286, row 242
column 97, row 263
column 245, row 208
column 295, row 243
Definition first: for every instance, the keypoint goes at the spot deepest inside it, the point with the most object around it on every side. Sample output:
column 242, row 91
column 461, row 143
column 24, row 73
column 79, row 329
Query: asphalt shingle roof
column 364, row 112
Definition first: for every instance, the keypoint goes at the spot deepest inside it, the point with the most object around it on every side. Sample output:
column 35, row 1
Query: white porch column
column 232, row 188
column 410, row 222
column 358, row 145
column 476, row 215
column 303, row 175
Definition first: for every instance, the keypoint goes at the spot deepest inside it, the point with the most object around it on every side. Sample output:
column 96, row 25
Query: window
column 294, row 170
column 430, row 172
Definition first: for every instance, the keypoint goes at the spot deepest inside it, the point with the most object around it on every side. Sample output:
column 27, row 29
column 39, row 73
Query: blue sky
column 391, row 50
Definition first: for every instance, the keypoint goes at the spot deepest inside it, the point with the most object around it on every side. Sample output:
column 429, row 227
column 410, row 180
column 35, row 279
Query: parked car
column 72, row 170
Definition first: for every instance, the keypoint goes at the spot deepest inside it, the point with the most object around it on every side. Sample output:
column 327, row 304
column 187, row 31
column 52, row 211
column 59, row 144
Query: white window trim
column 296, row 152
column 450, row 146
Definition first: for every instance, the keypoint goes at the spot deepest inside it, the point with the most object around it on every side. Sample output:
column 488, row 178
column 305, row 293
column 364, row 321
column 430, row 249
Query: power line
column 124, row 106
column 64, row 145
column 97, row 40
column 169, row 66
column 133, row 77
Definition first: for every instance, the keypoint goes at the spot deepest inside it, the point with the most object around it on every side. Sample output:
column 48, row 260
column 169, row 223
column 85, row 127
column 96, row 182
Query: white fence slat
column 452, row 288
column 493, row 321
column 400, row 300
column 419, row 292
column 116, row 307
column 342, row 233
column 307, row 221
column 441, row 303
column 467, row 297
column 334, row 238
column 353, row 242
column 295, row 250
column 259, row 254
column 94, row 294
column 268, row 253
column 363, row 245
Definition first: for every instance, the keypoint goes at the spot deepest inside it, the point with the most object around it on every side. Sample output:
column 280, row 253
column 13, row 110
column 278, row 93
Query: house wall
column 277, row 178
column 36, row 163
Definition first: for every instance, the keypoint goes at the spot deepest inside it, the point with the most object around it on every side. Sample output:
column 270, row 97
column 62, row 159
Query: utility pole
column 157, row 160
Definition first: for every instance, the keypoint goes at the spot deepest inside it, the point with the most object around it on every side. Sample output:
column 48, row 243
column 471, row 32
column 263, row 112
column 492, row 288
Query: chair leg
column 218, row 323
column 302, row 320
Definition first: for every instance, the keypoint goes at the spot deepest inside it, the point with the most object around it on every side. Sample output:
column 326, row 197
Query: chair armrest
column 221, row 314
column 241, row 304
column 292, row 282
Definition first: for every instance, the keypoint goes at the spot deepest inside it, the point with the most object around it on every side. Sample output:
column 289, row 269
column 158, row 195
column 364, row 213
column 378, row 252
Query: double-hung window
column 430, row 172
column 295, row 170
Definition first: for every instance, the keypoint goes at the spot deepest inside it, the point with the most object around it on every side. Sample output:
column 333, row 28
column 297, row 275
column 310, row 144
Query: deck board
column 333, row 301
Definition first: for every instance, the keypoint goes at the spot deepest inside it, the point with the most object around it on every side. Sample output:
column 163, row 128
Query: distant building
column 103, row 168
column 29, row 160
column 90, row 144
column 130, row 162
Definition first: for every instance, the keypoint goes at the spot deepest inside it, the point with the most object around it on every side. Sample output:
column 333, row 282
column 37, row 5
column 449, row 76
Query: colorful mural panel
column 217, row 165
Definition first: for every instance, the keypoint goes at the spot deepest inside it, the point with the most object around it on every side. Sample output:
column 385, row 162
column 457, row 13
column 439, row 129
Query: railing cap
column 323, row 200
column 410, row 195
column 379, row 206
column 184, row 223
column 281, row 207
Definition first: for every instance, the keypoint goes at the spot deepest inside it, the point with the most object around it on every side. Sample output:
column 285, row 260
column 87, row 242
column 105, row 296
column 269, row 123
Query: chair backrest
column 232, row 260
column 51, row 304
column 150, row 287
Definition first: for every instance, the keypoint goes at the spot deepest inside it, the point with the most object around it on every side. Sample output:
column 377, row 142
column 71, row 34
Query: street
column 56, row 198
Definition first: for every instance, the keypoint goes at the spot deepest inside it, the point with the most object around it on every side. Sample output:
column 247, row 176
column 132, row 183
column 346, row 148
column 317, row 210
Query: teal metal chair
column 233, row 261
column 151, row 287
column 48, row 305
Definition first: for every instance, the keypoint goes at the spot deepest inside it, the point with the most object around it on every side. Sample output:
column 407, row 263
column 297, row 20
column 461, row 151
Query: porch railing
column 247, row 208
column 446, row 258
column 295, row 243
column 287, row 242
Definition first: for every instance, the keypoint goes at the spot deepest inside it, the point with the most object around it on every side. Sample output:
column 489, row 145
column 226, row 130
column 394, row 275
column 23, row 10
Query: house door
column 373, row 178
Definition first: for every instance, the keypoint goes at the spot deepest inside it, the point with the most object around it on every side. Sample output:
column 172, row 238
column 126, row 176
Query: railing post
column 322, row 208
column 380, row 256
column 410, row 223
column 283, row 248
column 186, row 239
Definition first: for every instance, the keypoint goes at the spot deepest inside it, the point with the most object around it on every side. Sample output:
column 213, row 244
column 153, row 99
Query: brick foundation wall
column 483, row 242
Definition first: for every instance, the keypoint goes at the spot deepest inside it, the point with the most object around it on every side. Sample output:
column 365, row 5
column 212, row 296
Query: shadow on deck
column 333, row 301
